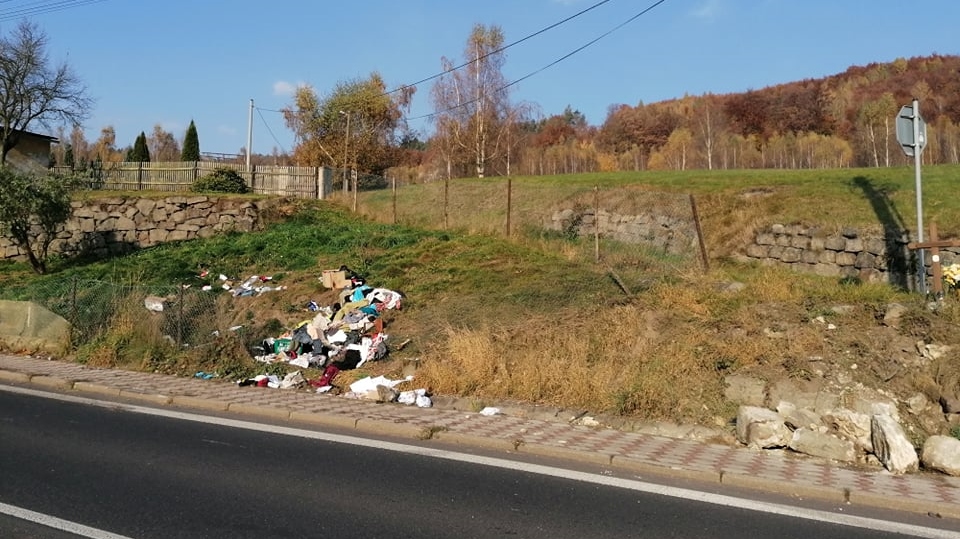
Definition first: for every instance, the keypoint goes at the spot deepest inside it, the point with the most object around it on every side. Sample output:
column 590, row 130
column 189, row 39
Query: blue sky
column 151, row 61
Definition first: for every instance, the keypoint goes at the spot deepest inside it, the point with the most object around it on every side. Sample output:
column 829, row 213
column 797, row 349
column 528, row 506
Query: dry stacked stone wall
column 671, row 234
column 849, row 252
column 119, row 225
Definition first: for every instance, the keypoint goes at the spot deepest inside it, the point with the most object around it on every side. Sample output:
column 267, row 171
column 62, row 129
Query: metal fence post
column 73, row 311
column 509, row 202
column 596, row 223
column 180, row 318
column 393, row 186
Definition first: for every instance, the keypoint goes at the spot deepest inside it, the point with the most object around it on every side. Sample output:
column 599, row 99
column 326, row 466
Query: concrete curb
column 201, row 403
column 162, row 400
column 645, row 467
column 14, row 377
column 268, row 412
column 98, row 389
column 391, row 428
column 325, row 420
column 472, row 440
column 565, row 453
column 867, row 499
column 53, row 382
column 788, row 488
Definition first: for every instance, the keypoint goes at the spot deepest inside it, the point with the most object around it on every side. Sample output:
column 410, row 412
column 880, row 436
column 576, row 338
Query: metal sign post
column 912, row 136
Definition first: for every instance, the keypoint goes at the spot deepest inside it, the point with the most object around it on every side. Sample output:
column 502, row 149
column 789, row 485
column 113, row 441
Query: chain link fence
column 634, row 233
column 175, row 315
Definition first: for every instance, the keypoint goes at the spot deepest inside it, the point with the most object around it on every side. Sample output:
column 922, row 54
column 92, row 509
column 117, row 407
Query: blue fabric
column 360, row 292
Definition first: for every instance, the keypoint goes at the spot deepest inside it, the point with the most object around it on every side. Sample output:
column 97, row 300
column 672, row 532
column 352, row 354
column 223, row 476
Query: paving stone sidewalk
column 643, row 454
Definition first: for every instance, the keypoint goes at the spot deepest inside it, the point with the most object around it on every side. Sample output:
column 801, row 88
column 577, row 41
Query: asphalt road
column 144, row 476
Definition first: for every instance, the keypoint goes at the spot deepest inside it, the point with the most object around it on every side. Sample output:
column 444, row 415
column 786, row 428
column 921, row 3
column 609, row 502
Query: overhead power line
column 491, row 53
column 504, row 48
column 501, row 49
column 264, row 120
column 40, row 7
column 551, row 64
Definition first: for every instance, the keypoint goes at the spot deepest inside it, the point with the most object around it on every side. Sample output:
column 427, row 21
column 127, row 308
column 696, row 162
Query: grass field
column 533, row 316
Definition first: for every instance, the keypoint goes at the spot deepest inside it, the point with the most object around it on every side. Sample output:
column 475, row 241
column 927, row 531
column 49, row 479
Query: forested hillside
column 844, row 120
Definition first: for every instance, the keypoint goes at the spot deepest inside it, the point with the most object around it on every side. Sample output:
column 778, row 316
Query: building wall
column 31, row 153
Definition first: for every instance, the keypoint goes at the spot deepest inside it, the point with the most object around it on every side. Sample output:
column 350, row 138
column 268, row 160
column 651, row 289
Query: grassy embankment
column 532, row 317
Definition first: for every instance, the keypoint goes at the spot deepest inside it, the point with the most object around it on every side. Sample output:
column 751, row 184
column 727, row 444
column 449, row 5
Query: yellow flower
column 951, row 274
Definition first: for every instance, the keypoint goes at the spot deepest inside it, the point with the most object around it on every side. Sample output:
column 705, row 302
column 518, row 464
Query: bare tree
column 34, row 91
column 163, row 145
column 473, row 102
column 80, row 146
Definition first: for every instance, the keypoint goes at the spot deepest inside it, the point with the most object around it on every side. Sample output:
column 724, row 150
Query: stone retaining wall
column 671, row 234
column 868, row 256
column 118, row 225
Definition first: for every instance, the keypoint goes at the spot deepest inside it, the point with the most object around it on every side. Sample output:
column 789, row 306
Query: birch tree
column 472, row 102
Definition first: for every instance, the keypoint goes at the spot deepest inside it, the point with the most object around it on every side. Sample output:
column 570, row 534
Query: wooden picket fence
column 300, row 182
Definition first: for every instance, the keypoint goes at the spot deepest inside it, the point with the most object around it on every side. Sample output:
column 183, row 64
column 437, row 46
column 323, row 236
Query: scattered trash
column 205, row 375
column 370, row 383
column 490, row 410
column 415, row 396
column 262, row 380
column 154, row 303
column 338, row 337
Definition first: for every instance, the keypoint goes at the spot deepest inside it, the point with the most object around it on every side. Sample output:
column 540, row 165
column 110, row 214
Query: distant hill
column 837, row 121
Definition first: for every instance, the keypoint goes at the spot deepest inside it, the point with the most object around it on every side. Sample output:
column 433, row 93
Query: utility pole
column 249, row 134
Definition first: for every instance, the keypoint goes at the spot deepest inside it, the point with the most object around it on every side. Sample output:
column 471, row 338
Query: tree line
column 76, row 152
column 844, row 120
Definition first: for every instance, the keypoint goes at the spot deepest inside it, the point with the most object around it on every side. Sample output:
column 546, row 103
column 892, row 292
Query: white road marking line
column 58, row 523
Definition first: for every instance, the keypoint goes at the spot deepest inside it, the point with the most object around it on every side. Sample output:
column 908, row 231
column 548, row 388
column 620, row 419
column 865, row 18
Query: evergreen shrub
column 221, row 180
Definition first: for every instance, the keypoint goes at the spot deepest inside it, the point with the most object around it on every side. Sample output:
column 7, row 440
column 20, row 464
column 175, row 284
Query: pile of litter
column 340, row 337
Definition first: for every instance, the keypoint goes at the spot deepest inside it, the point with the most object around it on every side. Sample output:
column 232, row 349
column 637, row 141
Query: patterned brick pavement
column 776, row 471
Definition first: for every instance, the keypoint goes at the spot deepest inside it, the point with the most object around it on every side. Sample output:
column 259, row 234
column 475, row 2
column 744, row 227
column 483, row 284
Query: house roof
column 38, row 135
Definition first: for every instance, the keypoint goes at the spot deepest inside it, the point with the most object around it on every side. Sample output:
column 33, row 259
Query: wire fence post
column 73, row 311
column 446, row 203
column 356, row 187
column 509, row 203
column 393, row 187
column 696, row 223
column 180, row 317
column 596, row 223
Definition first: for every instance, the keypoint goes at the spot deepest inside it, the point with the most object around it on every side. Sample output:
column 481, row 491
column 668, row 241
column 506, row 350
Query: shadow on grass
column 894, row 229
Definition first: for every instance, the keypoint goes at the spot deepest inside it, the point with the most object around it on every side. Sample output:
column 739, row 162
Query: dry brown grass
column 663, row 354
column 135, row 340
column 619, row 360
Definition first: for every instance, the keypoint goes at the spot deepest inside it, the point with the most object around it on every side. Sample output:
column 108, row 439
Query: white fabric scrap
column 415, row 396
column 266, row 358
column 338, row 337
column 490, row 410
column 370, row 383
column 153, row 303
column 302, row 361
column 291, row 380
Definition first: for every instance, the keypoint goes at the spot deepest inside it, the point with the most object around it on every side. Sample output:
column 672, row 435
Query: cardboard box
column 334, row 279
